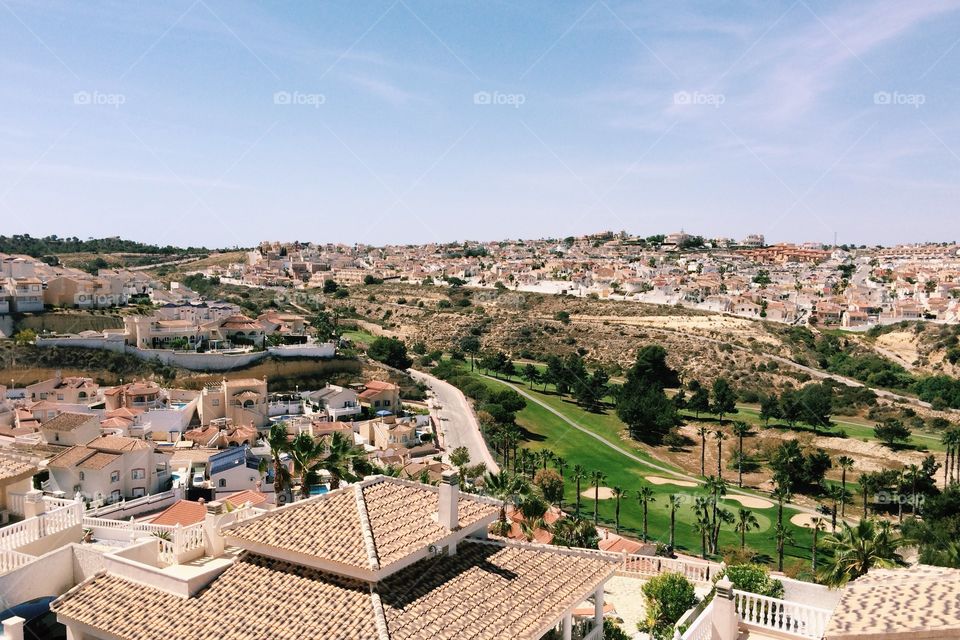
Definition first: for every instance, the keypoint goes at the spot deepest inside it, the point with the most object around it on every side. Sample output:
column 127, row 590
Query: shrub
column 669, row 595
column 753, row 578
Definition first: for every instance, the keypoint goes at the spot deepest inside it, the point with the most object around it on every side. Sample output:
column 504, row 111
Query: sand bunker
column 605, row 493
column 806, row 520
column 673, row 481
column 751, row 502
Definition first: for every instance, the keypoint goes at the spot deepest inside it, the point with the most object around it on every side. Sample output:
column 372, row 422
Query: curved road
column 457, row 423
column 638, row 459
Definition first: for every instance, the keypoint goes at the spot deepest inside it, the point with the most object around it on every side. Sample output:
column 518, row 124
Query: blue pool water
column 319, row 490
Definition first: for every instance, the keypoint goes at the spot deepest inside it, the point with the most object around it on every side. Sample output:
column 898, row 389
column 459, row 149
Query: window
column 215, row 402
column 81, row 476
column 114, row 476
column 139, row 492
column 376, row 403
column 60, row 397
column 138, row 474
column 221, row 483
column 386, row 403
column 114, row 495
column 248, row 404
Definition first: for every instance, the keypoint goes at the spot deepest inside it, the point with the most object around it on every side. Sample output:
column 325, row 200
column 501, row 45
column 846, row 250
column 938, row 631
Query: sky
column 226, row 122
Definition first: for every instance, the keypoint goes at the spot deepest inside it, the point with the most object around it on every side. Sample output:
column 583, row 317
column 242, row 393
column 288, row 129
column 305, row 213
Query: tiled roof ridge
column 379, row 617
column 497, row 541
column 371, row 480
column 368, row 542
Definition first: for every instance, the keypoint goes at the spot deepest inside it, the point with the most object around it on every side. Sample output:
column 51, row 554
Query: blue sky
column 226, row 122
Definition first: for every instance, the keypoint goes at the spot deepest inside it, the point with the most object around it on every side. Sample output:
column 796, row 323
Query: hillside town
column 793, row 284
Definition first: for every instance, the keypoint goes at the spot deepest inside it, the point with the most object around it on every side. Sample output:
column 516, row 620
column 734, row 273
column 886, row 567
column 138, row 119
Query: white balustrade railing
column 56, row 503
column 655, row 565
column 189, row 538
column 781, row 615
column 27, row 531
column 10, row 560
column 15, row 503
column 21, row 533
column 702, row 627
column 167, row 553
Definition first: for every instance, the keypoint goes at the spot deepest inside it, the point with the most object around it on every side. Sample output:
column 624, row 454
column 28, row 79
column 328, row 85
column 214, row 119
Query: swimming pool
column 319, row 490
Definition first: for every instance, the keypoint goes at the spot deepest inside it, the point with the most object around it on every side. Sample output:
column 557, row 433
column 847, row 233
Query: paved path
column 457, row 422
column 731, row 489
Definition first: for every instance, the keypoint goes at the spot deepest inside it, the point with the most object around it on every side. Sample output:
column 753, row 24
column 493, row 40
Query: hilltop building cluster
column 793, row 284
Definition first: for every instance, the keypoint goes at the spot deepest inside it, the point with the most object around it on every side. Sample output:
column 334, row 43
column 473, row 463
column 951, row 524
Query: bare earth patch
column 751, row 502
column 605, row 493
column 661, row 480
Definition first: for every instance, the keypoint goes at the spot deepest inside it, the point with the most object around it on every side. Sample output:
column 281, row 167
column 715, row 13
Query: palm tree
column 306, row 453
column 837, row 495
column 784, row 536
column 278, row 443
column 746, row 521
column 674, row 502
column 618, row 493
column 716, row 488
column 544, row 457
column 579, row 474
column 869, row 483
column 855, row 550
column 817, row 526
column 702, row 525
column 341, row 456
column 782, row 495
column 504, row 486
column 740, row 429
column 846, row 463
column 560, row 464
column 575, row 532
column 720, row 435
column 534, row 509
column 645, row 497
column 950, row 440
column 702, row 431
column 914, row 473
column 596, row 477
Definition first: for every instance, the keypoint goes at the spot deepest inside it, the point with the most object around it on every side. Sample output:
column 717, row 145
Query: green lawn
column 547, row 431
column 358, row 336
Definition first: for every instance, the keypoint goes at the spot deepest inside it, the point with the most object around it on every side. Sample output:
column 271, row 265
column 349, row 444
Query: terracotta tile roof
column 118, row 444
column 331, row 526
column 917, row 602
column 68, row 421
column 255, row 598
column 487, row 591
column 378, row 385
column 12, row 469
column 182, row 512
column 98, row 460
column 70, row 458
column 237, row 500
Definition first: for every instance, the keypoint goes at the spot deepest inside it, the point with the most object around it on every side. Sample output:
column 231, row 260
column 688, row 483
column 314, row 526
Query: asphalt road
column 458, row 423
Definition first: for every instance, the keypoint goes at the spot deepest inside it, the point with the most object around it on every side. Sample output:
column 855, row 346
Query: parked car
column 40, row 621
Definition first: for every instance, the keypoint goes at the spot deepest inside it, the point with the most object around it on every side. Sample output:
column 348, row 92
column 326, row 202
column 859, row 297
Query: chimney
column 449, row 498
column 13, row 628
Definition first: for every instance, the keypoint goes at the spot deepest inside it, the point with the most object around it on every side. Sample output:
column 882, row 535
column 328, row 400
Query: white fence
column 637, row 565
column 702, row 626
column 27, row 531
column 781, row 615
column 124, row 508
column 10, row 560
column 15, row 503
column 176, row 542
